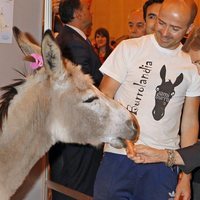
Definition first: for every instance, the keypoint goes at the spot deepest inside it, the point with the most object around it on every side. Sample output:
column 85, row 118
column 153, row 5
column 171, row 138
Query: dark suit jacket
column 73, row 165
column 191, row 158
column 79, row 51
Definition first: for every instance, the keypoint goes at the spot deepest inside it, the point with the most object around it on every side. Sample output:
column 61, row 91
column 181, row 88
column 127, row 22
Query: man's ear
column 190, row 28
column 77, row 14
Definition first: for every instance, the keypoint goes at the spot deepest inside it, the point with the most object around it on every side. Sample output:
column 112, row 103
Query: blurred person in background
column 102, row 43
column 136, row 24
column 192, row 46
column 150, row 12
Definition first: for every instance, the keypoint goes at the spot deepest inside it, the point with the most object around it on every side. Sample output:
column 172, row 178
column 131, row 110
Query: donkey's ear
column 26, row 42
column 178, row 80
column 51, row 55
column 163, row 73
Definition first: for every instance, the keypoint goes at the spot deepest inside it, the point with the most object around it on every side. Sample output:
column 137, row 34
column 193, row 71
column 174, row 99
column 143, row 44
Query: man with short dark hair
column 74, row 165
column 150, row 12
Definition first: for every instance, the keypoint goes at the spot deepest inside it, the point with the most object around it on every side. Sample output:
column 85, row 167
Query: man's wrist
column 162, row 155
column 170, row 157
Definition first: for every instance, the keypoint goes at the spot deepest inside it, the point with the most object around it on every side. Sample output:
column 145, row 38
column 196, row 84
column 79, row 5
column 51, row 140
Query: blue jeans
column 119, row 178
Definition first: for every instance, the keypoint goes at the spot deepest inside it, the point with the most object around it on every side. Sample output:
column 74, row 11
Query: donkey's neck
column 17, row 162
column 24, row 139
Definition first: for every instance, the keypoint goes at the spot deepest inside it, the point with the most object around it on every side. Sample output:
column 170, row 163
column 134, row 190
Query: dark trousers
column 74, row 166
column 119, row 178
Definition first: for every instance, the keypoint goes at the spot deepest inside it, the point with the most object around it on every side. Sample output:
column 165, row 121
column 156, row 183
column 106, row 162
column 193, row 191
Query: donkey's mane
column 9, row 92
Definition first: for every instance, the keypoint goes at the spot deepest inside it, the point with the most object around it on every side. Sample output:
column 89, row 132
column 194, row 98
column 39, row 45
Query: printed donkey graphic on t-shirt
column 164, row 92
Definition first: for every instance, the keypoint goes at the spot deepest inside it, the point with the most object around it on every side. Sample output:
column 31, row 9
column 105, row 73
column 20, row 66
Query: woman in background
column 192, row 46
column 102, row 44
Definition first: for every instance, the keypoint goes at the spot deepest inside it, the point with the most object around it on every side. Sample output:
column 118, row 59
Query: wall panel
column 112, row 14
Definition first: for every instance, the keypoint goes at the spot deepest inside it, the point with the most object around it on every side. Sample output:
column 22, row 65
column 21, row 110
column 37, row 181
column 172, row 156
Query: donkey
column 56, row 103
column 164, row 92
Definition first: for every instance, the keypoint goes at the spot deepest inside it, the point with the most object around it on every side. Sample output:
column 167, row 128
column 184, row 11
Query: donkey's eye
column 172, row 94
column 91, row 99
column 157, row 88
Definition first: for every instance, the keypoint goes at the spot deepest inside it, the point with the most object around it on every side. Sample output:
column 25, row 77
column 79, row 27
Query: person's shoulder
column 186, row 57
column 66, row 32
column 63, row 34
column 185, row 54
column 135, row 42
column 70, row 37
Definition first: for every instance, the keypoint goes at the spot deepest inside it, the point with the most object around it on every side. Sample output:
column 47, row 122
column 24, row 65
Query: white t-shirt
column 154, row 83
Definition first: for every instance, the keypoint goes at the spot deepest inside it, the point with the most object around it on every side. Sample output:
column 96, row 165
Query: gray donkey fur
column 56, row 103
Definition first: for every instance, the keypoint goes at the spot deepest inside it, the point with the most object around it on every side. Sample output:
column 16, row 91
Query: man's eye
column 91, row 99
column 152, row 16
column 140, row 25
column 176, row 29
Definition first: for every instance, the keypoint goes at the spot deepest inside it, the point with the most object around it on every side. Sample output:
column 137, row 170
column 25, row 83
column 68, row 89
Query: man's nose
column 134, row 29
column 165, row 31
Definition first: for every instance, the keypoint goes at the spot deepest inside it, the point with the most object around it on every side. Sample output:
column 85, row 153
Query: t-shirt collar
column 165, row 50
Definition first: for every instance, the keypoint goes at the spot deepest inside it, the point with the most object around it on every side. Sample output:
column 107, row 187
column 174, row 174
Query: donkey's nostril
column 134, row 128
column 135, row 123
column 129, row 123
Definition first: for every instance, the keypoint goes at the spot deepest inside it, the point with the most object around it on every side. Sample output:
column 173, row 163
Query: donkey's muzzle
column 132, row 134
column 134, row 128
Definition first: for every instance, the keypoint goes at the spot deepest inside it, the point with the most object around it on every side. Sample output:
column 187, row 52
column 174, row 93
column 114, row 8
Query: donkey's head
column 164, row 92
column 78, row 112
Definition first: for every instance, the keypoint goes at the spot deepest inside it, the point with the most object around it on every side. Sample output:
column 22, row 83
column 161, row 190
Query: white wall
column 28, row 17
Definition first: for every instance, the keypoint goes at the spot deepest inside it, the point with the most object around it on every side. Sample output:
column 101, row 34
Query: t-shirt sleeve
column 194, row 88
column 117, row 64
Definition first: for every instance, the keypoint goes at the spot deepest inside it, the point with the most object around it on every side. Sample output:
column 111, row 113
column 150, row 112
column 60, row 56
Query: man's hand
column 145, row 154
column 183, row 190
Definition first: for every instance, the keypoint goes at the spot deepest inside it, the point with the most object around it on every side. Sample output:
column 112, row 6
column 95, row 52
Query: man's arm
column 145, row 154
column 190, row 122
column 109, row 86
column 189, row 135
column 187, row 158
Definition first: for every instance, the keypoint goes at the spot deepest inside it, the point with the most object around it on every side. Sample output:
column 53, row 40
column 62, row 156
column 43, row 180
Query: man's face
column 151, row 16
column 86, row 15
column 136, row 24
column 171, row 25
